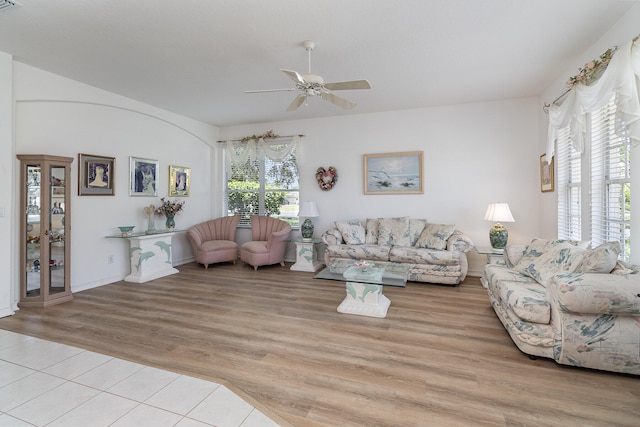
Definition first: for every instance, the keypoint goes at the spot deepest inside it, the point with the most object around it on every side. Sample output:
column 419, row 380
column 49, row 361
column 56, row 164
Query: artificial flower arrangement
column 592, row 69
column 268, row 134
column 169, row 208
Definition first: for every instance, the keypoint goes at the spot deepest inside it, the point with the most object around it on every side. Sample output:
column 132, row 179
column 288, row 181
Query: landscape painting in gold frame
column 179, row 181
column 546, row 174
column 393, row 173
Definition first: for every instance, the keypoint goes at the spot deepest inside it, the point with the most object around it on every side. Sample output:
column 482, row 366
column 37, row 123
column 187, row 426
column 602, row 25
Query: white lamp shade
column 308, row 210
column 498, row 212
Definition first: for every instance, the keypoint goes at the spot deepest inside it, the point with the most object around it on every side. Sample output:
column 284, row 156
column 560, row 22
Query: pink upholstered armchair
column 213, row 241
column 269, row 242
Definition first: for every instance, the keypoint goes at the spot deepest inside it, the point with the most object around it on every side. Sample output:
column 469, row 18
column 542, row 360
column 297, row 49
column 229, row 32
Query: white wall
column 58, row 116
column 7, row 255
column 474, row 154
column 624, row 30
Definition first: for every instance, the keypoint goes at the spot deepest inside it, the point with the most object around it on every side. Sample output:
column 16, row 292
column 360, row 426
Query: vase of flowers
column 169, row 209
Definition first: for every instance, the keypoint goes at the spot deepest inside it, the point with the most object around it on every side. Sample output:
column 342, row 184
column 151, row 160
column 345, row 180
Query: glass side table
column 494, row 256
column 306, row 259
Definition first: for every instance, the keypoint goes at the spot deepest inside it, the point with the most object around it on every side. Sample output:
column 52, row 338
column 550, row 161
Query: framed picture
column 546, row 174
column 143, row 179
column 393, row 173
column 179, row 181
column 96, row 175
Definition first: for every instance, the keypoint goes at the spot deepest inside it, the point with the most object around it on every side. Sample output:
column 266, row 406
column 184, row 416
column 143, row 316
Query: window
column 263, row 186
column 569, row 188
column 610, row 181
column 604, row 202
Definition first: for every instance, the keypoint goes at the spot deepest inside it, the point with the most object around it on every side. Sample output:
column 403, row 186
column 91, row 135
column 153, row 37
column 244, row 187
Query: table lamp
column 307, row 210
column 498, row 235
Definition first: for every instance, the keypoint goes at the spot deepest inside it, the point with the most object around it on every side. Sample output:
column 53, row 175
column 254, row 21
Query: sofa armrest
column 459, row 242
column 332, row 237
column 594, row 293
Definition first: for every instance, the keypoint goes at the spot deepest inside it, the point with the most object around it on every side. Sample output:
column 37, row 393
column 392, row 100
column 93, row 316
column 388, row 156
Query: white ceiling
column 196, row 57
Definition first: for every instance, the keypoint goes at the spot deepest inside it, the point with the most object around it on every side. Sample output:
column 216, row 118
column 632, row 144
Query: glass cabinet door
column 45, row 200
column 56, row 239
column 32, row 267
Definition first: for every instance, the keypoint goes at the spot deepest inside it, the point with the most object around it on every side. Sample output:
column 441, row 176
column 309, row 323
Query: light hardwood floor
column 440, row 358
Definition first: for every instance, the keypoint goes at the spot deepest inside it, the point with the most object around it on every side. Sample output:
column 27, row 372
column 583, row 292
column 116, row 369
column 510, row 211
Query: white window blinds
column 610, row 180
column 569, row 188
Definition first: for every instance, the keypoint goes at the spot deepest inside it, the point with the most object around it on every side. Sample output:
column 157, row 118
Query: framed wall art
column 179, row 181
column 546, row 174
column 96, row 175
column 143, row 178
column 393, row 173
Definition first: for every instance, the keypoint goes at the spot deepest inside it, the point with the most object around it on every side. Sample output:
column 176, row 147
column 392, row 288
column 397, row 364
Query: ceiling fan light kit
column 313, row 85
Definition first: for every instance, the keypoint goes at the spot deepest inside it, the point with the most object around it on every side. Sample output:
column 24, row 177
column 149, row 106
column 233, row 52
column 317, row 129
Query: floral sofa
column 578, row 306
column 436, row 253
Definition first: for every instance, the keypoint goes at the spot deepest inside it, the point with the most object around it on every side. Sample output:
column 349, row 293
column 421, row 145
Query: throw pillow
column 393, row 231
column 513, row 254
column 602, row 259
column 558, row 258
column 625, row 268
column 538, row 247
column 415, row 229
column 352, row 232
column 534, row 251
column 435, row 236
column 371, row 237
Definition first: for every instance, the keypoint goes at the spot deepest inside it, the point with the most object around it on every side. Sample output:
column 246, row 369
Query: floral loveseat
column 562, row 301
column 436, row 253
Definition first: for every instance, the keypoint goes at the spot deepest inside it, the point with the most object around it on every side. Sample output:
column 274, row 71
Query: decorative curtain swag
column 619, row 79
column 239, row 152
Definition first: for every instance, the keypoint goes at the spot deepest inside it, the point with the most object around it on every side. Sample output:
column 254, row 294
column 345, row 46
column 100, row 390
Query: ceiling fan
column 313, row 85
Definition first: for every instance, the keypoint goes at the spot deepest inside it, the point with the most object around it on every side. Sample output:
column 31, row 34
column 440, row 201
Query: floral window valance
column 276, row 149
column 620, row 79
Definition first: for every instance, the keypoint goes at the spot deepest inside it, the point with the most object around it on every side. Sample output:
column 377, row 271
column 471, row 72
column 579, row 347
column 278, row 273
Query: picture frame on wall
column 143, row 177
column 546, row 174
column 179, row 181
column 394, row 173
column 96, row 175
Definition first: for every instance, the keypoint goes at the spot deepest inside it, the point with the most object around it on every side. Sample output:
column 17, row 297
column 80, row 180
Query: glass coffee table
column 364, row 285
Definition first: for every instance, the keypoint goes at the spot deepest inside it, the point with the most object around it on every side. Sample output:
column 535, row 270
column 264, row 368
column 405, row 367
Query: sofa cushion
column 513, row 254
column 518, row 293
column 562, row 258
column 368, row 252
column 543, row 259
column 538, row 247
column 352, row 232
column 527, row 300
column 602, row 259
column 371, row 236
column 416, row 226
column 435, row 236
column 393, row 231
column 408, row 254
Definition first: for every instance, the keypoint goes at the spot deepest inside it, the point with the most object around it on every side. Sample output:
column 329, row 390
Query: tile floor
column 43, row 383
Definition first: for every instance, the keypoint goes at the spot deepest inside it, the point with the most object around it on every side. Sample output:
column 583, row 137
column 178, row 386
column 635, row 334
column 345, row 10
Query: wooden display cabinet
column 45, row 201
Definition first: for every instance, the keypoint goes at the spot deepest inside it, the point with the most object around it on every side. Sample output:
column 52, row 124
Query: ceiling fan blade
column 293, row 75
column 297, row 102
column 340, row 102
column 350, row 85
column 271, row 90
